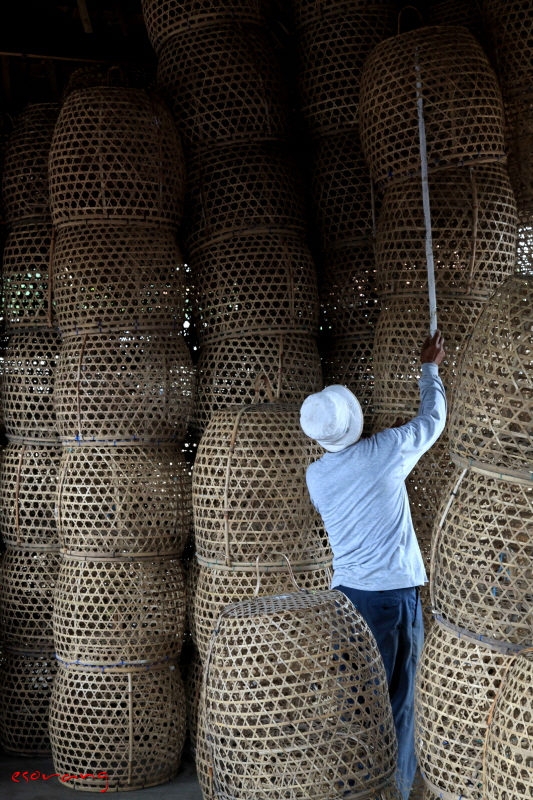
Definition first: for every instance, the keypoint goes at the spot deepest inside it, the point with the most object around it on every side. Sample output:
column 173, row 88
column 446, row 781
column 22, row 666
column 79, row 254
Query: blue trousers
column 395, row 619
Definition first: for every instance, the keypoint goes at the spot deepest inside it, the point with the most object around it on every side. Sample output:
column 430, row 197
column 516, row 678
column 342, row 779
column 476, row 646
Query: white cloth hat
column 332, row 417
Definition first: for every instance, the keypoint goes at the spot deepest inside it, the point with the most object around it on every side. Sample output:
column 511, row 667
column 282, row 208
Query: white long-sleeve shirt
column 361, row 495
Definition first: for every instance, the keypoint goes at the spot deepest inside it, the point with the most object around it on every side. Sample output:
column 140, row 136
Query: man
column 358, row 486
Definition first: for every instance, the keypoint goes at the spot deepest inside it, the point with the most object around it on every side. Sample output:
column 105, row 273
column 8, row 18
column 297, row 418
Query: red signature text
column 36, row 775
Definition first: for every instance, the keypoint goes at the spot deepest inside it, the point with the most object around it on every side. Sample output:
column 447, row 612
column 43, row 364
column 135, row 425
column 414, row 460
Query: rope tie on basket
column 291, row 573
column 51, row 277
column 438, row 532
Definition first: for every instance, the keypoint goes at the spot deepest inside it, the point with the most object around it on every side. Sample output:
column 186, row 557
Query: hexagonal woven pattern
column 524, row 253
column 510, row 737
column 25, row 176
column 519, row 137
column 247, row 185
column 509, row 23
column 129, row 723
column 463, row 108
column 29, row 371
column 319, row 690
column 456, row 685
column 349, row 362
column 27, row 598
column 117, row 387
column 473, row 222
column 250, row 499
column 348, row 298
column 193, row 685
column 28, row 485
column 228, row 371
column 223, row 82
column 492, row 416
column 116, row 154
column 109, row 276
column 26, row 680
column 25, row 268
column 481, row 574
column 109, row 612
column 123, row 500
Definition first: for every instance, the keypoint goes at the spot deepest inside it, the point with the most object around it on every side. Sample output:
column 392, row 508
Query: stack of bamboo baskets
column 123, row 396
column 30, row 461
column 473, row 219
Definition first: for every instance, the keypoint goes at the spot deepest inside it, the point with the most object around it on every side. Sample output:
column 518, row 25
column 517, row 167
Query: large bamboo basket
column 236, row 370
column 482, row 573
column 243, row 186
column 26, row 680
column 473, row 223
column 116, row 155
column 317, row 656
column 193, row 685
column 331, row 52
column 349, row 362
column 214, row 589
column 110, row 612
column 524, row 250
column 250, row 500
column 456, row 684
column 491, row 421
column 509, row 23
column 463, row 108
column 465, row 13
column 25, row 274
column 124, row 387
column 28, row 484
column 109, row 276
column 29, row 371
column 123, row 500
column 401, row 330
column 222, row 83
column 254, row 281
column 27, row 598
column 348, row 298
column 166, row 18
column 25, row 175
column 509, row 743
column 126, row 722
column 307, row 11
column 519, row 135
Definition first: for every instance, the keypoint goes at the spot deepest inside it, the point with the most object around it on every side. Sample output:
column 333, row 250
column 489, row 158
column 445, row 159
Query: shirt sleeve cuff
column 430, row 369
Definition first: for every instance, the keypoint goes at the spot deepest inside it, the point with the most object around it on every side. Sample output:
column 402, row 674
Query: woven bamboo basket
column 26, row 680
column 214, row 589
column 27, row 598
column 116, row 155
column 243, row 186
column 509, row 744
column 128, row 723
column 492, row 417
column 166, row 18
column 456, row 684
column 29, row 370
column 100, row 75
column 223, row 82
column 294, row 724
column 25, row 176
column 123, row 500
column 463, row 108
column 28, row 483
column 465, row 13
column 519, row 136
column 254, row 281
column 234, row 370
column 331, row 52
column 305, row 12
column 524, row 250
column 110, row 612
column 349, row 362
column 193, row 685
column 473, row 222
column 250, row 500
column 348, row 298
column 124, row 387
column 115, row 277
column 482, row 572
column 25, row 273
column 509, row 23
column 400, row 333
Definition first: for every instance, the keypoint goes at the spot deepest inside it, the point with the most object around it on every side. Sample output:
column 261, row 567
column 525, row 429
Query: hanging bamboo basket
column 28, row 484
column 25, row 175
column 26, row 680
column 236, row 370
column 254, row 281
column 116, row 156
column 473, row 223
column 348, row 298
column 128, row 723
column 509, row 23
column 25, row 272
column 491, row 421
column 463, row 107
column 109, row 276
column 456, row 684
column 349, row 362
column 133, row 387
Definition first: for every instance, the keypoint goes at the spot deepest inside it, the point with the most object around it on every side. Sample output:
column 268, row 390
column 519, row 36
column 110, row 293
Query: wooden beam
column 76, row 60
column 84, row 16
